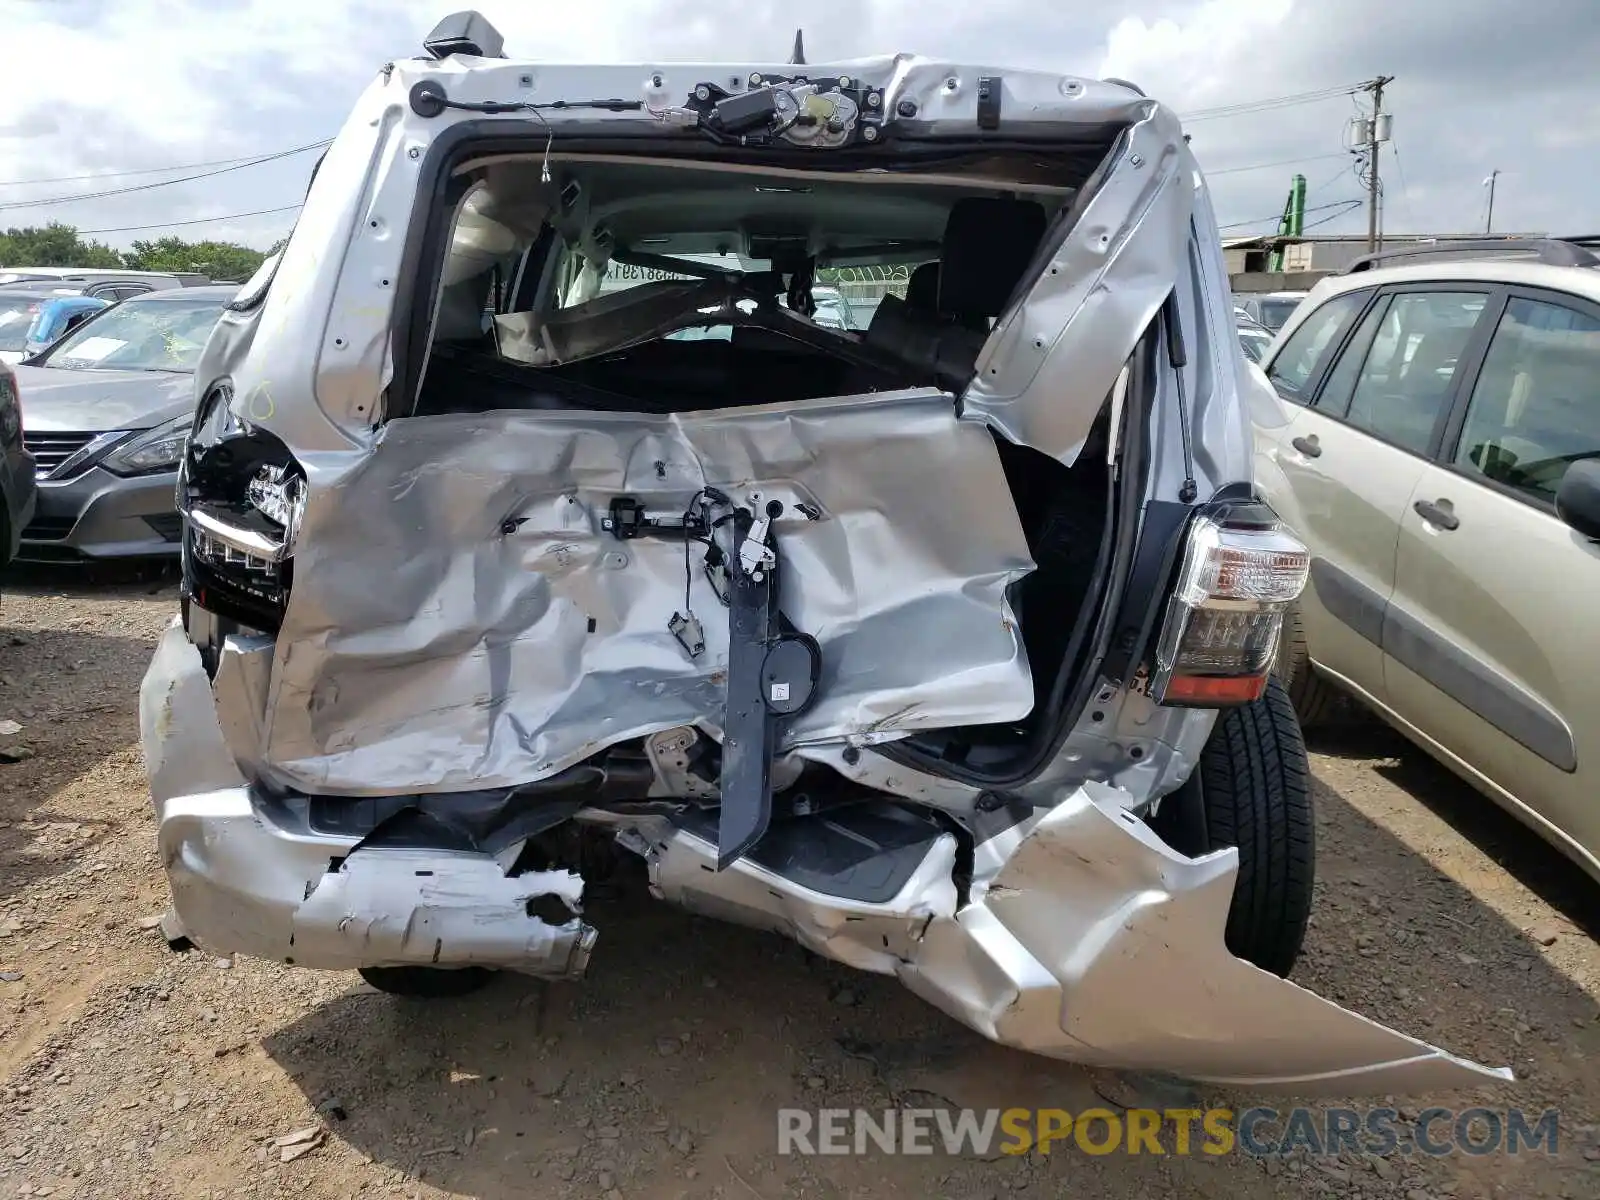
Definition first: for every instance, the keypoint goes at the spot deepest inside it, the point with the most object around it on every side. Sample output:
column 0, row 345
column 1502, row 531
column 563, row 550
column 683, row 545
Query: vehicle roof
column 1278, row 295
column 1579, row 281
column 42, row 293
column 205, row 292
column 96, row 273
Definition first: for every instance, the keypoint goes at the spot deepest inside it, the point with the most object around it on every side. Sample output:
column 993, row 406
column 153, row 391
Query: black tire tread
column 426, row 983
column 1257, row 788
column 1313, row 697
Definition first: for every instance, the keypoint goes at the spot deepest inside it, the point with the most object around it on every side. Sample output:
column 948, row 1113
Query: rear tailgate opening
column 680, row 457
column 687, row 288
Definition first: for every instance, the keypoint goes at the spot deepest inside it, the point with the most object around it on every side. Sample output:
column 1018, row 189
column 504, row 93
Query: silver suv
column 941, row 646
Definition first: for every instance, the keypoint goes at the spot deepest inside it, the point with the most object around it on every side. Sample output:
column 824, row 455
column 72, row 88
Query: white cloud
column 1193, row 60
column 139, row 84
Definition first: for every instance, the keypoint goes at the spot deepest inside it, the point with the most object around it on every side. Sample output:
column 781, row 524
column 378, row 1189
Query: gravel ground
column 130, row 1071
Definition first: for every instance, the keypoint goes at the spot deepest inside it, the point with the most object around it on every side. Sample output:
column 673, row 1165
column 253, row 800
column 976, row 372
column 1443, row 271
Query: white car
column 1269, row 309
column 1254, row 340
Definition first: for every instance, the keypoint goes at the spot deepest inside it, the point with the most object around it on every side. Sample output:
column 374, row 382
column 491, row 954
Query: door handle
column 1307, row 446
column 1437, row 513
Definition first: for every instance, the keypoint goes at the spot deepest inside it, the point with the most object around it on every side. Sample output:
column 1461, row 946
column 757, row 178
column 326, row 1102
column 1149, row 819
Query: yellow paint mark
column 820, row 107
column 261, row 407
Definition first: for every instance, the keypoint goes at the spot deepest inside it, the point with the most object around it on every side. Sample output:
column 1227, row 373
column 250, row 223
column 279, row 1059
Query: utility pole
column 1373, row 140
column 1488, row 224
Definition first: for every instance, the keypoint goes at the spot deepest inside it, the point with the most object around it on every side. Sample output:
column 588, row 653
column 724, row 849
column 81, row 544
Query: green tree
column 54, row 245
column 219, row 260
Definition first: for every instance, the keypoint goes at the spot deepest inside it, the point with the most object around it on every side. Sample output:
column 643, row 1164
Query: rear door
column 1491, row 642
column 1348, row 463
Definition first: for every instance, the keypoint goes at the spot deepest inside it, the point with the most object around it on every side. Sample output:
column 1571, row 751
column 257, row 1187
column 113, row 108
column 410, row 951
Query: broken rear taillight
column 242, row 495
column 1221, row 631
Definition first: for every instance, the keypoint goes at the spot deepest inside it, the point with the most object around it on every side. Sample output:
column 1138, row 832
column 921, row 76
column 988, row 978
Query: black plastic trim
column 1079, row 674
column 1161, row 538
column 1348, row 600
column 1479, row 687
column 865, row 853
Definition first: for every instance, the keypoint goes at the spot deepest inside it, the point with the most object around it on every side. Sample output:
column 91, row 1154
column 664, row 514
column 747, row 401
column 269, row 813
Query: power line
column 1352, row 205
column 145, row 187
column 223, row 166
column 1328, row 182
column 1405, row 192
column 262, row 212
column 194, row 166
column 1266, row 105
column 1282, row 162
column 1344, row 205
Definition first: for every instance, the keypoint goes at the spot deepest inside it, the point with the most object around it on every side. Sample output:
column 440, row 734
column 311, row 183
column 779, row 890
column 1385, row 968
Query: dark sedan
column 108, row 409
column 17, row 488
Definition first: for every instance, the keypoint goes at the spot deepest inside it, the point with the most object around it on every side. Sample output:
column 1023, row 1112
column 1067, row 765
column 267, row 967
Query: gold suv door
column 1352, row 459
column 1490, row 639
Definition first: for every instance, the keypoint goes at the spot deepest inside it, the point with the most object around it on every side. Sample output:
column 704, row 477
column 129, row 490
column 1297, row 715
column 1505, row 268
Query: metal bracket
column 772, row 677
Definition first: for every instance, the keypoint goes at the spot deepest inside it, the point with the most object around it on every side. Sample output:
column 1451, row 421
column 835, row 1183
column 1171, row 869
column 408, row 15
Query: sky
column 102, row 88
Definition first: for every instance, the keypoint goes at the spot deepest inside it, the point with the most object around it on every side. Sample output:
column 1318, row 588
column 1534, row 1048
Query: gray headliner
column 678, row 207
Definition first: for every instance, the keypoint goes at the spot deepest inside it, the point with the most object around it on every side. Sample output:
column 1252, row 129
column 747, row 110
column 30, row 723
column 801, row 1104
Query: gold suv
column 1436, row 447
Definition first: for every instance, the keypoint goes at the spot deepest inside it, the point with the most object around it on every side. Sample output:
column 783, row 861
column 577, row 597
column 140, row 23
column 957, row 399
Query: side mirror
column 1578, row 497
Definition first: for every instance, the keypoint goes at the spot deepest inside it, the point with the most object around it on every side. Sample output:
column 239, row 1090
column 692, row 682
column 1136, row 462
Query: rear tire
column 427, row 983
column 1313, row 697
column 1256, row 787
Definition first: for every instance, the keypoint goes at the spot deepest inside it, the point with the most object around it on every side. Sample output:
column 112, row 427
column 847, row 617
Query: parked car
column 57, row 317
column 1253, row 339
column 108, row 284
column 1270, row 309
column 109, row 406
column 19, row 308
column 833, row 309
column 872, row 640
column 1438, row 452
column 17, row 487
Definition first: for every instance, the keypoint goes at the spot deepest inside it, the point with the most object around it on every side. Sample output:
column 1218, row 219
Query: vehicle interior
column 1405, row 378
column 1533, row 412
column 579, row 291
column 585, row 291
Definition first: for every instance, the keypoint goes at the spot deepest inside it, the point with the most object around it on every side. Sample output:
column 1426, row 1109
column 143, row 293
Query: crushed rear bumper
column 1083, row 937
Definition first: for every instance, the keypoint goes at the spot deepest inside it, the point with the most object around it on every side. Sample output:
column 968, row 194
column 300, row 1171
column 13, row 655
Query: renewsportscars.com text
column 1259, row 1132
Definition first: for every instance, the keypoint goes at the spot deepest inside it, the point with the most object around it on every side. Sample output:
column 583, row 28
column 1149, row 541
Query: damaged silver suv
column 532, row 518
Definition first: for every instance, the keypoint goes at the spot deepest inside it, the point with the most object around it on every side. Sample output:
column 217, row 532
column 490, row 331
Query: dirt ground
column 132, row 1071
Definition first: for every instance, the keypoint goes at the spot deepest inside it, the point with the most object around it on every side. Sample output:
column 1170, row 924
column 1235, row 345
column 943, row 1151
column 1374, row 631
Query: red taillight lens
column 1222, row 625
column 1215, row 691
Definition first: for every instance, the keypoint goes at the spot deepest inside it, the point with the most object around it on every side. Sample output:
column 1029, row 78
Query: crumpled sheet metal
column 400, row 907
column 184, row 750
column 241, row 884
column 1051, row 361
column 425, row 649
column 1096, row 943
column 1084, row 938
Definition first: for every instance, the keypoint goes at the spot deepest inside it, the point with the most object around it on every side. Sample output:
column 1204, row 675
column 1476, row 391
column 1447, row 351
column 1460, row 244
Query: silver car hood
column 56, row 399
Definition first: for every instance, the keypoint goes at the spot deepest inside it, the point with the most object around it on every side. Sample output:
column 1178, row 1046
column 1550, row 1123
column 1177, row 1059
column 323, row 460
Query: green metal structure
column 1293, row 222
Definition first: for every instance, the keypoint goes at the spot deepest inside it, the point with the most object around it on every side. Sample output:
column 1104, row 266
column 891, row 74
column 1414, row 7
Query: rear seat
column 988, row 244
